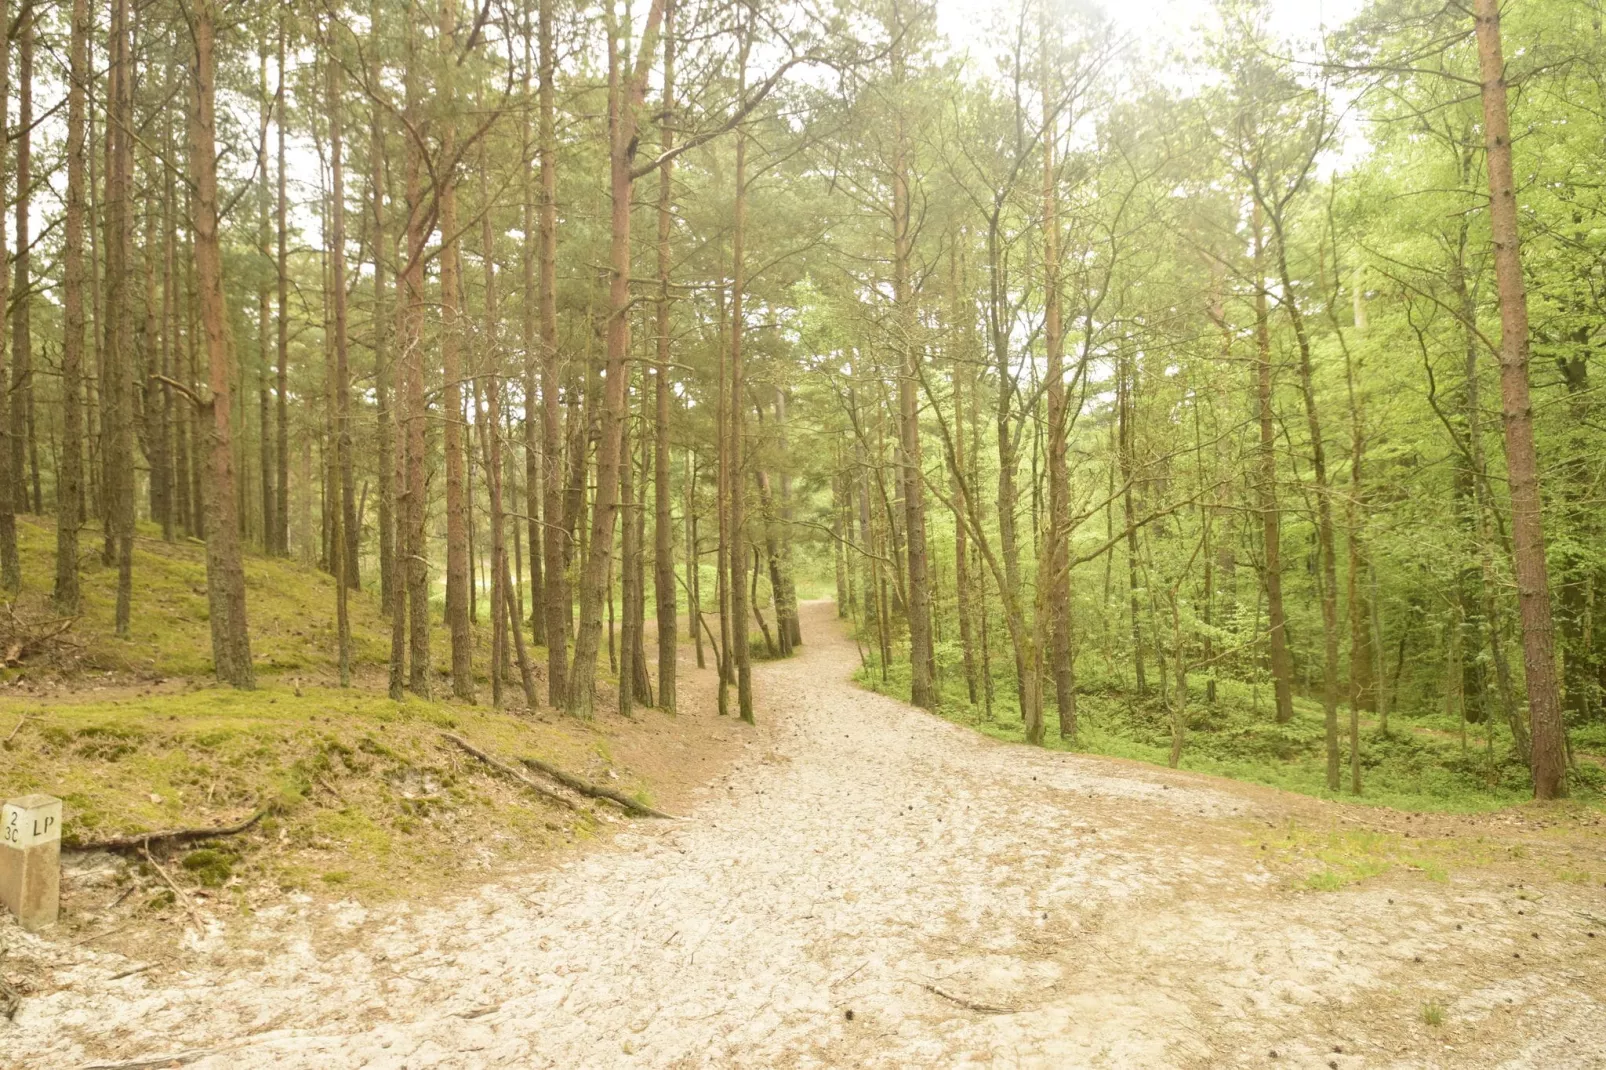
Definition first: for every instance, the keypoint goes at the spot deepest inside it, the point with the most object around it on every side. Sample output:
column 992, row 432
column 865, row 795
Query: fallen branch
column 142, row 841
column 574, row 783
column 178, row 893
column 968, row 1004
column 508, row 771
column 17, row 729
column 158, row 1062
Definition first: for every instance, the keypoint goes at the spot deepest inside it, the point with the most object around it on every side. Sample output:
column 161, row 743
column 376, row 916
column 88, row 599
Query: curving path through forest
column 873, row 886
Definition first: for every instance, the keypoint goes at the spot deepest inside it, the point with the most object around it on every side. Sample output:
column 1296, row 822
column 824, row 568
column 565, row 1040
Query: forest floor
column 867, row 885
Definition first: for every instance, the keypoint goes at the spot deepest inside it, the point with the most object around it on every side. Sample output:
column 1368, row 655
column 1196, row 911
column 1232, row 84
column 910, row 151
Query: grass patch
column 1432, row 1013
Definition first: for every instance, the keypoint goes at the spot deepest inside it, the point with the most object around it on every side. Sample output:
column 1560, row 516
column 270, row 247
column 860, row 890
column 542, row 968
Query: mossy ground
column 361, row 793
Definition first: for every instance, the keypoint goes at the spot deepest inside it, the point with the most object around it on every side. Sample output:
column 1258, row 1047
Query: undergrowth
column 1420, row 763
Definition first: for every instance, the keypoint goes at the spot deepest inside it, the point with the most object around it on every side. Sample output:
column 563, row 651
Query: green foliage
column 1416, row 765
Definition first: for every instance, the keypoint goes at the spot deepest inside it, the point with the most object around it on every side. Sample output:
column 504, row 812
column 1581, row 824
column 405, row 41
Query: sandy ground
column 871, row 886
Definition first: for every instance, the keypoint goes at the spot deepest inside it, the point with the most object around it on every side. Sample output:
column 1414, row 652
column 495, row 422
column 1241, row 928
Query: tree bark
column 69, row 489
column 554, row 535
column 1324, row 510
column 1059, row 492
column 231, row 641
column 1549, row 747
column 457, row 518
column 663, row 529
column 118, row 384
column 1282, row 670
column 383, row 398
column 22, row 297
column 344, row 512
column 270, row 525
column 627, row 89
column 419, row 669
column 281, row 511
column 922, row 660
column 735, row 409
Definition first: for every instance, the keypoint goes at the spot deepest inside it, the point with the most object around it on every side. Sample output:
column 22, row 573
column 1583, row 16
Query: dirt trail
column 872, row 886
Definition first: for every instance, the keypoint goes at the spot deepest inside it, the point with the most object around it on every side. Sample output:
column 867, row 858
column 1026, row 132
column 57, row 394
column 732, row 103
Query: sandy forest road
column 970, row 903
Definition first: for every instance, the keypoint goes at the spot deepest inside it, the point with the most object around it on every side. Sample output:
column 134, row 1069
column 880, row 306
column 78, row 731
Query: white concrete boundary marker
column 30, row 859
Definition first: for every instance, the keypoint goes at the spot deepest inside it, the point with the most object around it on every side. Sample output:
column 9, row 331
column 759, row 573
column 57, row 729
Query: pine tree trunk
column 534, row 247
column 457, row 518
column 344, row 513
column 270, row 525
column 737, row 554
column 786, row 596
column 231, row 641
column 554, row 545
column 281, row 513
column 663, row 530
column 69, row 489
column 629, row 580
column 1549, row 747
column 384, row 436
column 627, row 89
column 414, row 547
column 21, row 297
column 119, row 383
column 502, row 607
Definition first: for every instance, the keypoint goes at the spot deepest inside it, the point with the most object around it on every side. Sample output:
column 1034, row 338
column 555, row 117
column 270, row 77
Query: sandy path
column 969, row 903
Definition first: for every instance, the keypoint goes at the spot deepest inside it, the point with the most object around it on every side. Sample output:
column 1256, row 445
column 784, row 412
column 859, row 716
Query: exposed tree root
column 144, row 840
column 574, row 783
column 512, row 773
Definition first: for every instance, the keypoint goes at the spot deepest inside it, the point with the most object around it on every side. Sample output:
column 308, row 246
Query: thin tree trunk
column 389, row 572
column 1324, row 510
column 69, row 490
column 922, row 658
column 344, row 513
column 22, row 298
column 532, row 310
column 119, row 385
column 503, row 607
column 629, row 589
column 414, row 457
column 1360, row 656
column 554, row 544
column 281, row 512
column 627, row 89
column 737, row 554
column 663, row 531
column 270, row 524
column 1282, row 671
column 1125, row 388
column 457, row 516
column 1059, row 492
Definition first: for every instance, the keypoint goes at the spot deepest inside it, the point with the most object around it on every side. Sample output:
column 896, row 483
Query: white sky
column 960, row 20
